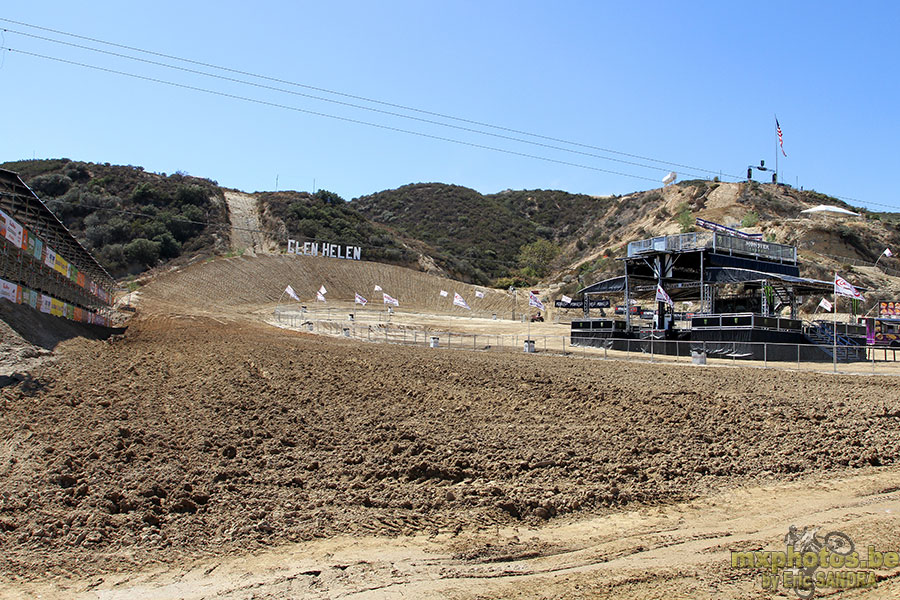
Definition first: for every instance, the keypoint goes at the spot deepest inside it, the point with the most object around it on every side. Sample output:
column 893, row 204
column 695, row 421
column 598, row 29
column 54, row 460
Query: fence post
column 873, row 360
column 798, row 357
column 765, row 355
column 474, row 341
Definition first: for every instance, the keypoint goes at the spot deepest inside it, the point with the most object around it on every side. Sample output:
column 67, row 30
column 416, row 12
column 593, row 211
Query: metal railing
column 862, row 360
column 718, row 242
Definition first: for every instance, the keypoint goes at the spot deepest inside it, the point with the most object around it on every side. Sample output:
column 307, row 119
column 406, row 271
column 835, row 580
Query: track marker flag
column 443, row 293
column 662, row 296
column 389, row 300
column 887, row 252
column 322, row 290
column 377, row 288
column 459, row 301
column 566, row 299
column 290, row 292
column 320, row 297
column 843, row 288
column 360, row 300
column 825, row 304
column 534, row 301
column 479, row 294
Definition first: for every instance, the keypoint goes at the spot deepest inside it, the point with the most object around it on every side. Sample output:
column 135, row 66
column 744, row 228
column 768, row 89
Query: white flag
column 377, row 288
column 322, row 290
column 479, row 294
column 290, row 292
column 843, row 288
column 443, row 293
column 887, row 252
column 566, row 299
column 662, row 296
column 389, row 300
column 320, row 297
column 459, row 301
column 360, row 300
column 825, row 304
column 533, row 300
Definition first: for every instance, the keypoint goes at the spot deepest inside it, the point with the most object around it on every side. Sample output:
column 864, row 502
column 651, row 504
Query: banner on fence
column 598, row 303
column 10, row 291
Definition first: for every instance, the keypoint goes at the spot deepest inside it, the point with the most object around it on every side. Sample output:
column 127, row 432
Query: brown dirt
column 215, row 456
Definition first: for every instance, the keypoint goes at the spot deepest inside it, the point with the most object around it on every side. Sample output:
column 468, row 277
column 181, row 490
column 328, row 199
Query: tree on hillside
column 535, row 258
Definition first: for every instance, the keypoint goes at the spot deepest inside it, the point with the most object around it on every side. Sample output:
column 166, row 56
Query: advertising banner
column 889, row 309
column 598, row 303
column 57, row 307
column 10, row 291
column 14, row 231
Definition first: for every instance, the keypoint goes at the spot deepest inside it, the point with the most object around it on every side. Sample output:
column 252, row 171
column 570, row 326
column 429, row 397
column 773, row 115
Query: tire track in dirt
column 668, row 551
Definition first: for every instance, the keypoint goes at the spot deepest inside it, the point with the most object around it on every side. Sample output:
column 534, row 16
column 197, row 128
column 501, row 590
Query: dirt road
column 246, row 233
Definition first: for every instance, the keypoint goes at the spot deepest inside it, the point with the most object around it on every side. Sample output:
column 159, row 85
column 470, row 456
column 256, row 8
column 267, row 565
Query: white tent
column 828, row 209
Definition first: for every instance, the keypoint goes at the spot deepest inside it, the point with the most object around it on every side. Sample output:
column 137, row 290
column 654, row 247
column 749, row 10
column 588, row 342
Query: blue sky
column 693, row 83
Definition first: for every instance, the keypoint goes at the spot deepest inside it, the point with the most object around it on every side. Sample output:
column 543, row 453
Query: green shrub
column 142, row 251
column 751, row 219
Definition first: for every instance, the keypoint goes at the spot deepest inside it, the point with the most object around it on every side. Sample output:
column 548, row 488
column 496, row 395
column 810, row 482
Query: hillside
column 130, row 219
column 134, row 220
column 484, row 231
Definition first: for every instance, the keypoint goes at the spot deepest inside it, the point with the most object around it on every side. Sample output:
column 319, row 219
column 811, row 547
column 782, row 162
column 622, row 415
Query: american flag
column 780, row 140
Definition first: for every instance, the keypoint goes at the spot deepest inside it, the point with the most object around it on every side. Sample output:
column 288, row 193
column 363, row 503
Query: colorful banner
column 12, row 230
column 45, row 304
column 889, row 309
column 57, row 307
column 10, row 291
column 49, row 257
column 28, row 242
column 32, row 299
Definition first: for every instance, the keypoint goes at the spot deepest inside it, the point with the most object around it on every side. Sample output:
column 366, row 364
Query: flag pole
column 776, row 148
column 834, row 325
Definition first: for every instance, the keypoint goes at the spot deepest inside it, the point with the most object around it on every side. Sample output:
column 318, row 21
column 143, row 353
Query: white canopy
column 826, row 208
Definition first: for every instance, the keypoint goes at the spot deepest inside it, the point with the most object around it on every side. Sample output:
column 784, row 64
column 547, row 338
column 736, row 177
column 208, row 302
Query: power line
column 363, row 98
column 327, row 115
column 342, row 103
column 356, row 106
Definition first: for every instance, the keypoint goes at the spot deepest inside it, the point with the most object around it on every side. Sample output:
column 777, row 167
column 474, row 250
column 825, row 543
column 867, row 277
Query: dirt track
column 205, row 457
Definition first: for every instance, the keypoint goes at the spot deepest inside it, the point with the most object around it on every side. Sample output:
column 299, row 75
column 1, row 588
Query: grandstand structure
column 746, row 293
column 42, row 264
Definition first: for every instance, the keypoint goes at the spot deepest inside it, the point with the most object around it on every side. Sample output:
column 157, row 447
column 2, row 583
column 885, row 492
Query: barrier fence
column 866, row 360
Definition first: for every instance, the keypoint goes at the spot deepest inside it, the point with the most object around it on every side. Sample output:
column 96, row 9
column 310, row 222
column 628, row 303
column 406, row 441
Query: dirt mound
column 249, row 283
column 28, row 337
column 192, row 436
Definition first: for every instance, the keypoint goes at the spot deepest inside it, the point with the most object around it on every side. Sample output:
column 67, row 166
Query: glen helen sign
column 324, row 249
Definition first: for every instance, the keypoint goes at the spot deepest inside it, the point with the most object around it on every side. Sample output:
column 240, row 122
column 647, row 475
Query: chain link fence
column 372, row 327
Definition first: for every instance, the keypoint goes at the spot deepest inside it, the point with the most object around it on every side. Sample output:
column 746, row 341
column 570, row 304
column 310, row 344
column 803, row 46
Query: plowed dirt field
column 202, row 457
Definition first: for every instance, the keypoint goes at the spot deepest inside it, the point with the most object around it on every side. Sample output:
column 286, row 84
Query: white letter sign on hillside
column 324, row 249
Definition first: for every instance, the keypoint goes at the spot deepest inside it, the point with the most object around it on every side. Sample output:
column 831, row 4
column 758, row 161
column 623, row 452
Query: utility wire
column 327, row 115
column 347, row 104
column 363, row 98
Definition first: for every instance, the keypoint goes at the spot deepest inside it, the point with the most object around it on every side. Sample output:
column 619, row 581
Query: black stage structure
column 748, row 291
